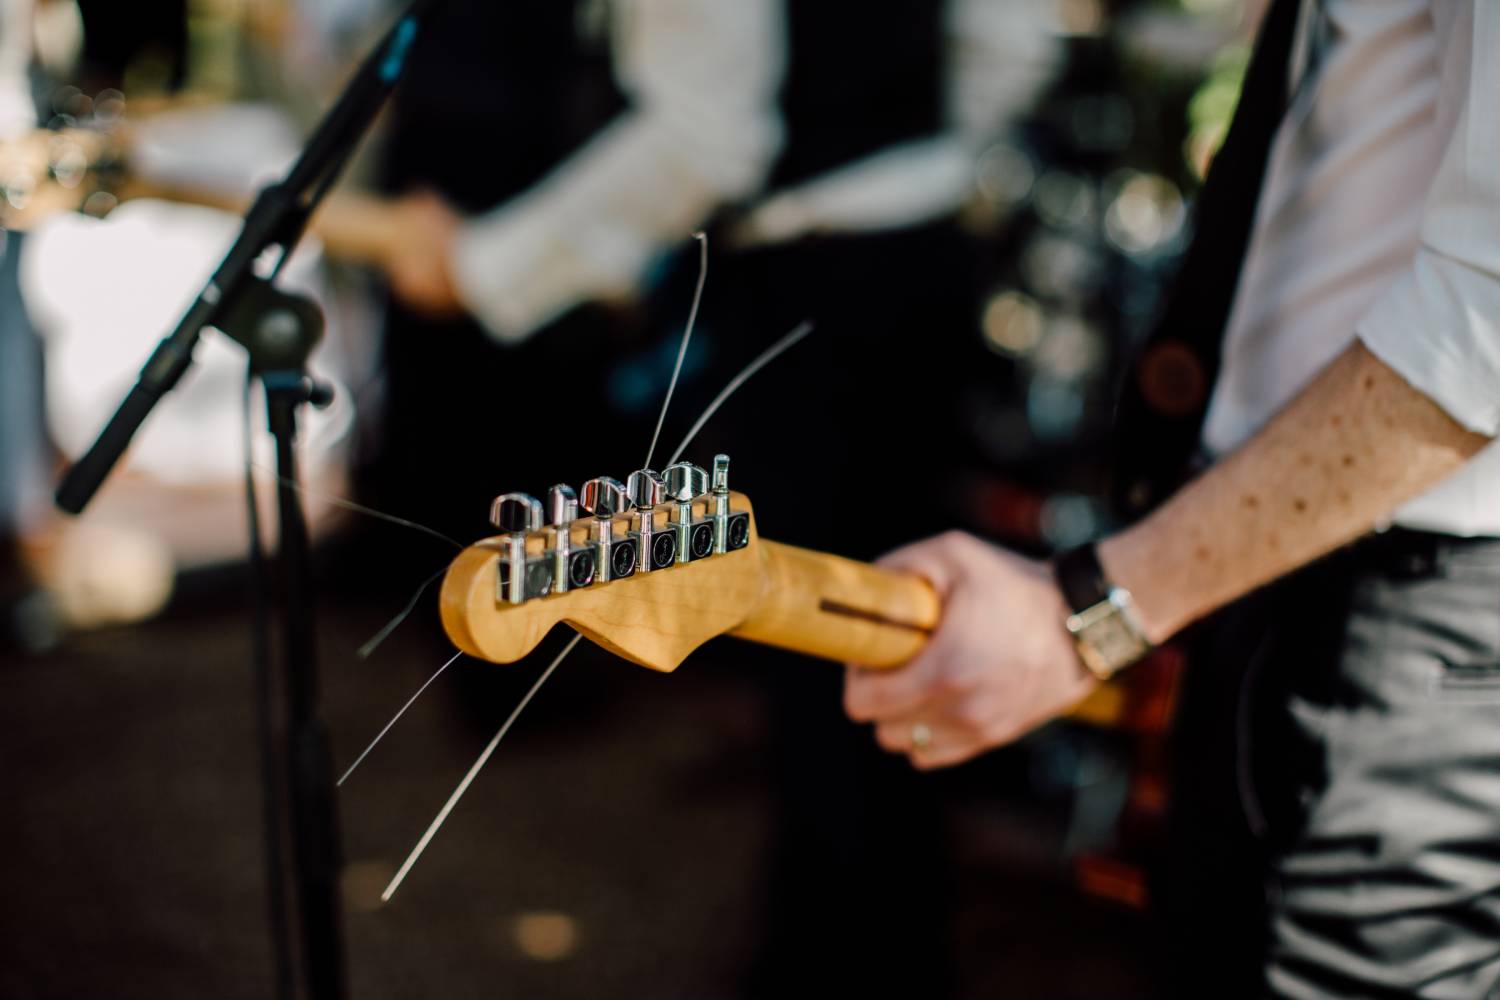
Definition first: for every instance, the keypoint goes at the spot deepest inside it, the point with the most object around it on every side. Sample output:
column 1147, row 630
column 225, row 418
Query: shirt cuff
column 1438, row 327
column 516, row 273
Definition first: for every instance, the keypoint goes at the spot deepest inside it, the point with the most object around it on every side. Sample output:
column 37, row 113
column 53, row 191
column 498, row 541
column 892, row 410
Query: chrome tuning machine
column 522, row 575
column 686, row 483
column 658, row 549
column 731, row 530
column 616, row 556
column 572, row 568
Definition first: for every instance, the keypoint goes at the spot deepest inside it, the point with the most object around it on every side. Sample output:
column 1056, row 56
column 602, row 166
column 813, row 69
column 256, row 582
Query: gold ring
column 921, row 736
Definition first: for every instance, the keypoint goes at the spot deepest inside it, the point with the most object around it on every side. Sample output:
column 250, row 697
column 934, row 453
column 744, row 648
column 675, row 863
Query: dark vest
column 860, row 77
column 497, row 93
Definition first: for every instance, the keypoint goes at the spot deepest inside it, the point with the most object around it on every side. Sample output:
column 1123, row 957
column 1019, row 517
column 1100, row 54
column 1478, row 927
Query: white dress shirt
column 17, row 112
column 1381, row 219
column 703, row 129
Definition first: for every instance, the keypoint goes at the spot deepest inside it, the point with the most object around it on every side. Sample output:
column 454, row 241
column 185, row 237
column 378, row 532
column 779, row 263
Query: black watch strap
column 1080, row 577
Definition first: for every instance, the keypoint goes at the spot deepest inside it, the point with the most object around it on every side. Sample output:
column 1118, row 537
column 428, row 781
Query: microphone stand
column 278, row 331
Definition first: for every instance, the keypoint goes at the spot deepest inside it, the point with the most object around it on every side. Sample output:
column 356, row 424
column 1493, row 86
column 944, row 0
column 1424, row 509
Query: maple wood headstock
column 652, row 617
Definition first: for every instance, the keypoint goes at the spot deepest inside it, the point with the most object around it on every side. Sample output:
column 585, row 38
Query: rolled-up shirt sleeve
column 1438, row 324
column 703, row 128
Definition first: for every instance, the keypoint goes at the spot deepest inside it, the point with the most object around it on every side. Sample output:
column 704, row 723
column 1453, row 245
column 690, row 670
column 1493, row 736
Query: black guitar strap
column 1166, row 393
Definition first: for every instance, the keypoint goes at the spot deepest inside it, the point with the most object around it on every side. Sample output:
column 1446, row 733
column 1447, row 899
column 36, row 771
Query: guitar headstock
column 654, row 567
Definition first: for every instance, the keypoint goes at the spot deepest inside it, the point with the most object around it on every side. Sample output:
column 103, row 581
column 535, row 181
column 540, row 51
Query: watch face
column 1115, row 641
column 1107, row 641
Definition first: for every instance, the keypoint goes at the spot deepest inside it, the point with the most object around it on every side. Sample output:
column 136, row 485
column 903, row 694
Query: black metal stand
column 279, row 332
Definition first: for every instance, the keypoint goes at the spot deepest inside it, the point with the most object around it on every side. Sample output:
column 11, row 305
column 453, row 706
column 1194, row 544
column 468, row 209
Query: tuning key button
column 615, row 557
column 685, row 481
column 521, row 577
column 516, row 513
column 562, row 505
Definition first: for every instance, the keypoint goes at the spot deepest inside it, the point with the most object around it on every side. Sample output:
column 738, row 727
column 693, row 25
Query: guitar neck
column 837, row 609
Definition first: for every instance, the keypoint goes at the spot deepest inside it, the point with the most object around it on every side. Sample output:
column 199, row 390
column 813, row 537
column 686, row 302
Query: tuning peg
column 646, row 488
column 721, row 503
column 518, row 514
column 604, row 498
column 658, row 550
column 571, row 568
column 687, row 482
column 731, row 530
column 562, row 504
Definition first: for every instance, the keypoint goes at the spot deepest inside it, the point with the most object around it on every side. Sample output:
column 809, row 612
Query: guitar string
column 397, row 717
column 687, row 335
column 337, row 501
column 373, row 643
column 765, row 358
column 468, row 779
column 368, row 647
column 735, row 383
column 473, row 772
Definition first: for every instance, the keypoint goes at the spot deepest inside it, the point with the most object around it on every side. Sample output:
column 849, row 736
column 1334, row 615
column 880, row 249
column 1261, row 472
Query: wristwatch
column 1103, row 623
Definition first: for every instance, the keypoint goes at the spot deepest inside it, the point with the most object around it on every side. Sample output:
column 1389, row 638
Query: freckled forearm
column 1353, row 446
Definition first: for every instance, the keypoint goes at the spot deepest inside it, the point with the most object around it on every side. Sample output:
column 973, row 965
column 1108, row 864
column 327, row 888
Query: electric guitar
column 663, row 563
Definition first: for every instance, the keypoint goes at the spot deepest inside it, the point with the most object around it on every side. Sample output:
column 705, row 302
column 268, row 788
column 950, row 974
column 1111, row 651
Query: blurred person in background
column 1343, row 810
column 100, row 252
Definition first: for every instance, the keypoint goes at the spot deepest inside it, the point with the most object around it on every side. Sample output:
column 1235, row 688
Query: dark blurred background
column 978, row 203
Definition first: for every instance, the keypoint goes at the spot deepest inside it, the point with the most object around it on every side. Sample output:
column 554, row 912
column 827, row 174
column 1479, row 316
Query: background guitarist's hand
column 999, row 663
column 419, row 263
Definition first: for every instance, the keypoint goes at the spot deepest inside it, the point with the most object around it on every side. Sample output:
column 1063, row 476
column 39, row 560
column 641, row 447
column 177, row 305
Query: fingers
column 873, row 695
column 947, row 734
column 939, row 560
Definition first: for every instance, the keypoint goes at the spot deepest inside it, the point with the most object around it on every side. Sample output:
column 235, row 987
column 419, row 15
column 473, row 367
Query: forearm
column 1353, row 446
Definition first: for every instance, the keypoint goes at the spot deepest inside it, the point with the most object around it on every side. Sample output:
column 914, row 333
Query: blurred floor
column 633, row 805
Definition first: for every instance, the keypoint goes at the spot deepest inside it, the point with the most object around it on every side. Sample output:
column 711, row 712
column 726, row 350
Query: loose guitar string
column 374, row 642
column 473, row 772
column 367, row 649
column 463, row 785
column 687, row 335
column 765, row 358
column 397, row 717
column 336, row 501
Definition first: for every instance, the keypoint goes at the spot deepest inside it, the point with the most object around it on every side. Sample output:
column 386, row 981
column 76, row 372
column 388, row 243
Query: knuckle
column 857, row 704
column 972, row 715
